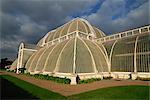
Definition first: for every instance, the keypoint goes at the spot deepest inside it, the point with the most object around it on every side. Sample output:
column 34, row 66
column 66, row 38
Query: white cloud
column 134, row 18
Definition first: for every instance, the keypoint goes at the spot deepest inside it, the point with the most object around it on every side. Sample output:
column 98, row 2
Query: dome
column 78, row 24
column 75, row 55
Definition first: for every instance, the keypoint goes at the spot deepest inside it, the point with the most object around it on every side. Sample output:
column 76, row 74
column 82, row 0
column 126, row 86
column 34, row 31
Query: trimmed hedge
column 89, row 80
column 107, row 78
column 10, row 70
column 52, row 78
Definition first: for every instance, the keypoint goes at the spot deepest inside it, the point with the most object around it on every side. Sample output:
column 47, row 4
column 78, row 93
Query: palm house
column 79, row 48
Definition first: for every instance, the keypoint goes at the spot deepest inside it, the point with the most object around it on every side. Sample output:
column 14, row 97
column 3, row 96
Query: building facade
column 78, row 48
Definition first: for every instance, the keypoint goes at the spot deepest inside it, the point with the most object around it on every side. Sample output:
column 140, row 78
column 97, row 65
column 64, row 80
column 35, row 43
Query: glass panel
column 43, row 57
column 81, row 27
column 65, row 29
column 99, row 58
column 57, row 33
column 35, row 59
column 123, row 54
column 26, row 55
column 73, row 26
column 50, row 37
column 51, row 64
column 27, row 66
column 66, row 59
column 83, row 59
column 143, row 54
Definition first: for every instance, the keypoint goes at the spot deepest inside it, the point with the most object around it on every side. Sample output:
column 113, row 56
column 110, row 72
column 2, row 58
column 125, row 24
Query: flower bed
column 52, row 78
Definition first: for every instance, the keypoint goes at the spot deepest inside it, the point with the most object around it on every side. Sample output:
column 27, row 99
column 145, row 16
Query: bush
column 10, row 71
column 89, row 80
column 143, row 79
column 107, row 77
column 28, row 74
column 52, row 78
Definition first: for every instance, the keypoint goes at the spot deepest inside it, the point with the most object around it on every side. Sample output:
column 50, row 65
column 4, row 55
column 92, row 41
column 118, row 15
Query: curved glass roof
column 78, row 24
column 75, row 55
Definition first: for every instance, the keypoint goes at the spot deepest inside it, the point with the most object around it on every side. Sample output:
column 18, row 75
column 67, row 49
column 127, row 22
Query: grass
column 32, row 89
column 112, row 93
column 8, row 88
column 115, row 93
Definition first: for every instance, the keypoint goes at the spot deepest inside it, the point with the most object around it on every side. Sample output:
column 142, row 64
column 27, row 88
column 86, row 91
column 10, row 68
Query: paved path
column 66, row 89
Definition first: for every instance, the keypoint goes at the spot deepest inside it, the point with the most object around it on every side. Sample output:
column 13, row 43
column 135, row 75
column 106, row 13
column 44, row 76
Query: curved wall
column 89, row 58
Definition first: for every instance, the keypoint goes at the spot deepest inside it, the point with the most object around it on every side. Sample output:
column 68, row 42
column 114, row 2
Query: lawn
column 112, row 93
column 29, row 90
column 115, row 93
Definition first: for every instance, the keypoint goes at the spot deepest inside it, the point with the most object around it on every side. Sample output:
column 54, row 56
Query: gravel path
column 67, row 90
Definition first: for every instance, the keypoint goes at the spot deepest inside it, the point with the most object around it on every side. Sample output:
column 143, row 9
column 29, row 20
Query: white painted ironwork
column 20, row 57
column 135, row 48
column 125, row 34
column 48, row 57
column 38, row 61
column 59, row 57
column 25, row 49
column 36, row 54
column 111, row 52
column 93, row 60
column 74, row 55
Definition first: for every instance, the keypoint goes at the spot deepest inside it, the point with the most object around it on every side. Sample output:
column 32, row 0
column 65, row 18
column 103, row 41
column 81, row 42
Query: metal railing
column 128, row 33
column 124, row 34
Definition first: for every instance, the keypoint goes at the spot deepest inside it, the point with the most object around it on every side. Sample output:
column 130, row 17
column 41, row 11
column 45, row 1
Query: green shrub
column 52, row 78
column 36, row 75
column 107, row 77
column 28, row 74
column 89, row 80
column 10, row 71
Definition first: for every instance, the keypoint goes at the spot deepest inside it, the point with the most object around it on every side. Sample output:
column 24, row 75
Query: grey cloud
column 47, row 11
column 29, row 20
column 135, row 18
column 9, row 25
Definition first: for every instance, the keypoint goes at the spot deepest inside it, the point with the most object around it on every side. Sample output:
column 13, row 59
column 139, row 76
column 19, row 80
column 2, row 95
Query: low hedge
column 10, row 70
column 52, row 78
column 89, row 80
column 107, row 77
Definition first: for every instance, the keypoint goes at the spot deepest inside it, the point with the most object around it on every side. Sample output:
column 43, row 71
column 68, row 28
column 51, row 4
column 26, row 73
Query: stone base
column 120, row 75
column 73, row 80
column 134, row 76
column 144, row 75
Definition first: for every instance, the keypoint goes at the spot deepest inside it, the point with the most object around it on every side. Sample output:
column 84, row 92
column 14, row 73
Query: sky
column 29, row 20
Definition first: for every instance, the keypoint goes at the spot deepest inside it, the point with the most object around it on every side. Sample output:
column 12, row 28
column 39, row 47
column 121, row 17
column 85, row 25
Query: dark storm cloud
column 46, row 11
column 8, row 26
column 29, row 20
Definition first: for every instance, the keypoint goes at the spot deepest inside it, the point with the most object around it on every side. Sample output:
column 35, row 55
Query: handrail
column 128, row 33
column 119, row 35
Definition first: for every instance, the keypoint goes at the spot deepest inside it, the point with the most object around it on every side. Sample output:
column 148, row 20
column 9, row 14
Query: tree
column 5, row 62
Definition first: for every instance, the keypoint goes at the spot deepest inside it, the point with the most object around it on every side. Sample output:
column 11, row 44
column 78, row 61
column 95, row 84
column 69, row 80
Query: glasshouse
column 78, row 48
